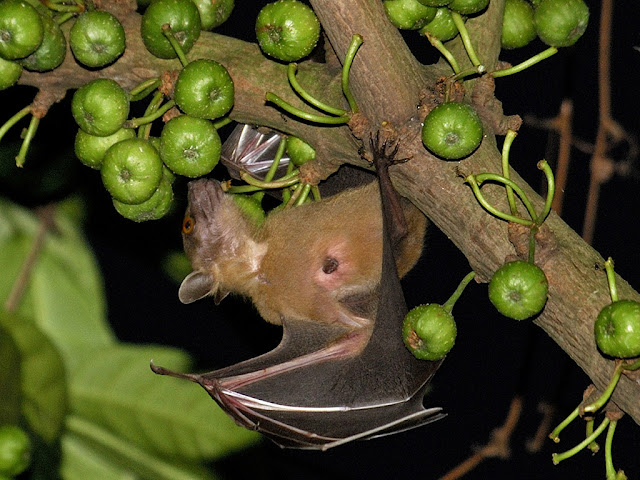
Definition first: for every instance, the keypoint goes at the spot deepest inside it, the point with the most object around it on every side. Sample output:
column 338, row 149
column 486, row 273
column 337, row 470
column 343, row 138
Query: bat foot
column 384, row 150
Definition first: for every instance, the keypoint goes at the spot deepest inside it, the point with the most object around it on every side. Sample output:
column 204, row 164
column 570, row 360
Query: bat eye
column 188, row 224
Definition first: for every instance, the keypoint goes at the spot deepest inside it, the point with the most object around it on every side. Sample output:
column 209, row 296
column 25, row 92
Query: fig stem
column 606, row 394
column 143, row 89
column 559, row 457
column 611, row 279
column 482, row 177
column 26, row 142
column 356, row 41
column 554, row 435
column 221, row 122
column 281, row 183
column 287, row 107
column 276, row 160
column 551, row 190
column 593, row 446
column 506, row 148
column 315, row 191
column 487, row 206
column 156, row 101
column 466, row 39
column 443, row 51
column 15, row 118
column 60, row 19
column 137, row 122
column 166, row 31
column 608, row 459
column 526, row 64
column 448, row 305
column 305, row 189
column 293, row 81
column 58, row 7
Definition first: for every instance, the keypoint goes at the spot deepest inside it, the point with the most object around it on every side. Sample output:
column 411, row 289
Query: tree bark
column 390, row 85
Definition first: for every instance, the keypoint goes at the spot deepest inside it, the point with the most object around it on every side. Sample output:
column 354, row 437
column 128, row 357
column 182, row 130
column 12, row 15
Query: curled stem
column 526, row 64
column 14, row 119
column 611, row 279
column 554, row 435
column 466, row 39
column 64, row 17
column 287, row 107
column 487, row 206
column 559, row 457
column 307, row 97
column 356, row 41
column 506, row 148
column 551, row 190
column 31, row 131
column 482, row 177
column 444, row 52
column 166, row 31
column 154, row 104
column 276, row 160
column 448, row 305
column 143, row 89
column 606, row 394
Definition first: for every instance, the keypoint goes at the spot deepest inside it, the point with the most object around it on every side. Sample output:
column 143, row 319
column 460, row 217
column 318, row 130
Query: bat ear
column 197, row 285
column 219, row 295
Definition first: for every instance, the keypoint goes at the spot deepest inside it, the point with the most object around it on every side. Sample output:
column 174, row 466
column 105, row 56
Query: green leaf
column 64, row 291
column 11, row 398
column 42, row 377
column 89, row 451
column 116, row 389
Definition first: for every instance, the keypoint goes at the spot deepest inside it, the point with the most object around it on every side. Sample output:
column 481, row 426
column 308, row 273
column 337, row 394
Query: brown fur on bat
column 328, row 272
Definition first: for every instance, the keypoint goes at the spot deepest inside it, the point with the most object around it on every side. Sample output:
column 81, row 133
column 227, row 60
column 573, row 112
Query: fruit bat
column 328, row 272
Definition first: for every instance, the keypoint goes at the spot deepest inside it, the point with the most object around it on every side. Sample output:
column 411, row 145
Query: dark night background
column 493, row 357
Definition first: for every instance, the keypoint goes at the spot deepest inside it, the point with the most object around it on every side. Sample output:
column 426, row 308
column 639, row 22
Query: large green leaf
column 64, row 293
column 91, row 452
column 10, row 386
column 42, row 376
column 116, row 389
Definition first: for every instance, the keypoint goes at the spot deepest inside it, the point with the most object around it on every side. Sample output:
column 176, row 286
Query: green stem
column 551, row 190
column 136, row 122
column 276, row 160
column 60, row 19
column 315, row 191
column 482, row 177
column 14, row 119
column 532, row 244
column 145, row 130
column 604, row 398
column 291, row 75
column 444, row 52
column 611, row 278
column 306, row 188
column 356, row 41
column 593, row 446
column 559, row 457
column 487, row 206
column 526, row 64
column 608, row 459
column 221, row 122
column 143, row 89
column 166, row 31
column 506, row 148
column 466, row 39
column 459, row 76
column 31, row 131
column 58, row 7
column 297, row 191
column 554, row 435
column 287, row 107
column 284, row 182
column 448, row 305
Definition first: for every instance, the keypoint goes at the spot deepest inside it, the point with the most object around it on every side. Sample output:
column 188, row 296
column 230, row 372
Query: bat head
column 218, row 240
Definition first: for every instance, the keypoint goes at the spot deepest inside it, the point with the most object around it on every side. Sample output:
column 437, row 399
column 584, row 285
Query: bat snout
column 204, row 194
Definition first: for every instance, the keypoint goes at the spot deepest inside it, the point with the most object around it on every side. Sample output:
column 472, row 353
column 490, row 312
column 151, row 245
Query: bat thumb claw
column 165, row 371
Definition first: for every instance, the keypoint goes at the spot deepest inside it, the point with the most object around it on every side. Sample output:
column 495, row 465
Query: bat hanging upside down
column 328, row 272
